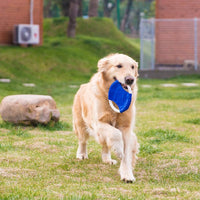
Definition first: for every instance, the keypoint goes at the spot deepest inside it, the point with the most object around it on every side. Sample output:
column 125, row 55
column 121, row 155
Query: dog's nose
column 129, row 80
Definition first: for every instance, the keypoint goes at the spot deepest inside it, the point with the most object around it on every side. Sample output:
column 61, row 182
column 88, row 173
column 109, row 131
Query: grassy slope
column 63, row 59
column 39, row 162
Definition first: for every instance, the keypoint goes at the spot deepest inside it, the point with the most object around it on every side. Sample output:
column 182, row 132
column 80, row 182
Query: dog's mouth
column 122, row 84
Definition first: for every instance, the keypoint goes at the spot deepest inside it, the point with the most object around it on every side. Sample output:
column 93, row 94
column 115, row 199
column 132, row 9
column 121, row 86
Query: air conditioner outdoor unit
column 26, row 34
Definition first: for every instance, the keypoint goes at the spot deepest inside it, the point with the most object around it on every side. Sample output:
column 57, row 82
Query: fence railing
column 172, row 43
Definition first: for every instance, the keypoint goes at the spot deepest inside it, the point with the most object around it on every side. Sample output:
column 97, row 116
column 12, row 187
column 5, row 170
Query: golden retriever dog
column 92, row 114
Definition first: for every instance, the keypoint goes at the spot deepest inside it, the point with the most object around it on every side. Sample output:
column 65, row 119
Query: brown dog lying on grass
column 92, row 114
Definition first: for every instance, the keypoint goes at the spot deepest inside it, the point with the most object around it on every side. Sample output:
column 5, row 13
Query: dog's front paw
column 110, row 161
column 128, row 179
column 81, row 156
column 126, row 175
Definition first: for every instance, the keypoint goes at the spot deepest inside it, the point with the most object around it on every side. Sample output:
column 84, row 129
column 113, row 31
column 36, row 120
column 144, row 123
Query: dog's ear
column 102, row 64
column 136, row 69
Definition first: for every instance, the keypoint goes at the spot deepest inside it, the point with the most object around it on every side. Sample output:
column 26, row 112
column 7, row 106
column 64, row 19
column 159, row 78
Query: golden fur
column 92, row 114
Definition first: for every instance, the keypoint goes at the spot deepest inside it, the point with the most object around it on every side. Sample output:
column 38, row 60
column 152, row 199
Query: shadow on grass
column 51, row 126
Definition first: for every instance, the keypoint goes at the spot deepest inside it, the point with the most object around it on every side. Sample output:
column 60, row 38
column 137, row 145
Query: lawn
column 40, row 162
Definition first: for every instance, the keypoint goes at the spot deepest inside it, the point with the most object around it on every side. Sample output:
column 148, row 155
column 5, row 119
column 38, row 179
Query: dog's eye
column 132, row 67
column 119, row 66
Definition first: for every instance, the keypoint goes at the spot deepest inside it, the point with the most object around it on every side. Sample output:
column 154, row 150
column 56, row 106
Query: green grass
column 63, row 60
column 193, row 121
column 40, row 162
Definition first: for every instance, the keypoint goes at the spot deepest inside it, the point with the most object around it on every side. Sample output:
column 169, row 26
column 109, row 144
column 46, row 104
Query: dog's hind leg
column 83, row 136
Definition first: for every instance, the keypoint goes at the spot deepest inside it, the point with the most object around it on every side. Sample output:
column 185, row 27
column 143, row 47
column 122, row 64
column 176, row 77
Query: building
column 177, row 33
column 13, row 12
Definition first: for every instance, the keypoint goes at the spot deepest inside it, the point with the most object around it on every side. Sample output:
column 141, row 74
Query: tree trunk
column 65, row 7
column 93, row 8
column 73, row 12
column 126, row 15
column 107, row 9
column 80, row 8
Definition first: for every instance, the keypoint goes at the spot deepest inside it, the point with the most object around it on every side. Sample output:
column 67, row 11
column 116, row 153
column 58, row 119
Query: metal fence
column 171, row 43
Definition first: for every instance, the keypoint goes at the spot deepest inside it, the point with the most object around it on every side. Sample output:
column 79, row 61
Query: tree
column 73, row 13
column 80, row 8
column 93, row 8
column 64, row 4
column 108, row 6
column 151, row 11
column 126, row 15
column 131, row 11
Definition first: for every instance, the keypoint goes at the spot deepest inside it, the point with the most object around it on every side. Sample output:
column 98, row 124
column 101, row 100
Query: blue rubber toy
column 120, row 96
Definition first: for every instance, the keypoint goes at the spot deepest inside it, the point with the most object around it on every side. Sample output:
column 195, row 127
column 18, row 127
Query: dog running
column 93, row 115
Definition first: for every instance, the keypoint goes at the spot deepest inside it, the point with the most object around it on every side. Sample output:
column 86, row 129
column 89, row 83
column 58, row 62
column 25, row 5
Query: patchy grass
column 193, row 121
column 40, row 162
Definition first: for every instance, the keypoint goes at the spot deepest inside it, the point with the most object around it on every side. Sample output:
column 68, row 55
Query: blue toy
column 120, row 96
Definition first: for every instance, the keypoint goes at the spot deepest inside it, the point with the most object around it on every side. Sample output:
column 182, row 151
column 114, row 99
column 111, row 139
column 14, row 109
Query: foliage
column 138, row 7
column 52, row 8
column 55, row 8
column 151, row 11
